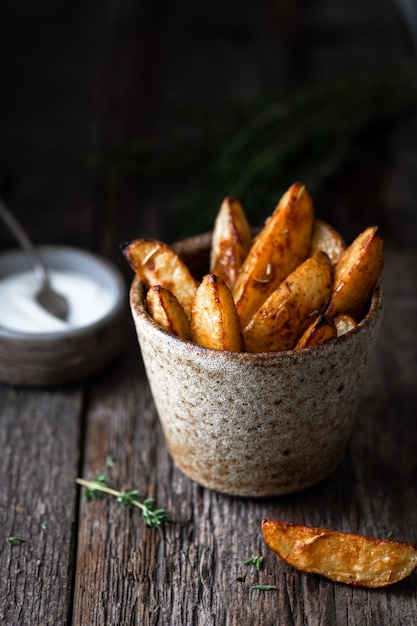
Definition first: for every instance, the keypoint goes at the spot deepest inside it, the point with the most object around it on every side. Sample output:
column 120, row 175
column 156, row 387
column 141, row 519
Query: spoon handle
column 25, row 242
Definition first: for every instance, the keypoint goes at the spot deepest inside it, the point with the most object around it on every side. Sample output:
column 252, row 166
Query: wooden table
column 86, row 563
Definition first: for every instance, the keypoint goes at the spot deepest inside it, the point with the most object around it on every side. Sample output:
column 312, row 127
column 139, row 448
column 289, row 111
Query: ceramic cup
column 250, row 424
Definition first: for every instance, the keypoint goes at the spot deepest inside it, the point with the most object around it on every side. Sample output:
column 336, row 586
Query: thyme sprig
column 94, row 490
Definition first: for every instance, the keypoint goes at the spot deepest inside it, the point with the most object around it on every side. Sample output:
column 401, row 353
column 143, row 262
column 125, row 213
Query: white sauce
column 19, row 311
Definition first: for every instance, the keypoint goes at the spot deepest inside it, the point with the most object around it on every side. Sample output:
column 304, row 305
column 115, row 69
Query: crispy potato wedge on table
column 285, row 315
column 282, row 244
column 231, row 241
column 165, row 309
column 328, row 240
column 321, row 330
column 344, row 323
column 342, row 557
column 357, row 273
column 157, row 264
column 214, row 320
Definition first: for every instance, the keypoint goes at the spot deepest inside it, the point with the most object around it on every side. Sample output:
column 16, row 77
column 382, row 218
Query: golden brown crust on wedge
column 321, row 330
column 231, row 241
column 214, row 320
column 157, row 264
column 342, row 557
column 328, row 240
column 357, row 273
column 280, row 247
column 165, row 309
column 285, row 315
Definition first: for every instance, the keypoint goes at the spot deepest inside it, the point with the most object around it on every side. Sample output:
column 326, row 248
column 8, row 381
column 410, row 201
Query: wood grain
column 39, row 440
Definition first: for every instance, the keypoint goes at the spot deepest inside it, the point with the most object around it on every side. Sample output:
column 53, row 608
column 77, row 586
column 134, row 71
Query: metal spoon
column 53, row 302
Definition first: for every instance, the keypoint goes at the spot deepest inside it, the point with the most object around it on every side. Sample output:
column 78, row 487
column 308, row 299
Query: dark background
column 128, row 107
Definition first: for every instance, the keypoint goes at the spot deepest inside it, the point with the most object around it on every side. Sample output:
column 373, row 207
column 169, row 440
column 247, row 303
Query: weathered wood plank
column 39, row 442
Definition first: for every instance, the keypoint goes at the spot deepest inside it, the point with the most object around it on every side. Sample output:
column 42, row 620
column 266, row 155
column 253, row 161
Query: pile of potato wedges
column 293, row 285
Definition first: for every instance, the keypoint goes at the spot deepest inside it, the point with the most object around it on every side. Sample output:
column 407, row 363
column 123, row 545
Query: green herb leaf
column 94, row 490
column 256, row 560
column 13, row 540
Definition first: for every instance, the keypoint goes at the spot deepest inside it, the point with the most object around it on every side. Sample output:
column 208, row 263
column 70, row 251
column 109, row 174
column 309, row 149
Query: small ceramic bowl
column 72, row 353
column 250, row 424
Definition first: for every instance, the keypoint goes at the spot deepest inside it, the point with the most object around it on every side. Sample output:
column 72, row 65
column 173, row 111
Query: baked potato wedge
column 282, row 244
column 214, row 320
column 342, row 557
column 231, row 241
column 357, row 273
column 328, row 240
column 287, row 313
column 156, row 263
column 344, row 323
column 321, row 330
column 165, row 309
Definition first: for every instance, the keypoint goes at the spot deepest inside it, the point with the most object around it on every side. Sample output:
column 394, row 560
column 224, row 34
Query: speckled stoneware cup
column 253, row 424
